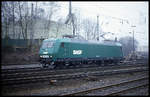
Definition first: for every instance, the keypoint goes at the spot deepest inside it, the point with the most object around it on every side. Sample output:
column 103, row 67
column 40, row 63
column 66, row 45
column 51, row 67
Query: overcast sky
column 135, row 12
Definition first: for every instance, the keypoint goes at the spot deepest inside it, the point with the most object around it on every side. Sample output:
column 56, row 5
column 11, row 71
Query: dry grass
column 20, row 57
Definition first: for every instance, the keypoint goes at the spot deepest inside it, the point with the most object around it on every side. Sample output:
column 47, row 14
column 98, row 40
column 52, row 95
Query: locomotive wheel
column 60, row 65
column 66, row 64
column 102, row 63
column 98, row 63
column 116, row 62
column 52, row 65
column 44, row 66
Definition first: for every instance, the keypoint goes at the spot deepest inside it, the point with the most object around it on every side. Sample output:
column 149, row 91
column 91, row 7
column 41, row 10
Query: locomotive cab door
column 66, row 50
column 67, row 53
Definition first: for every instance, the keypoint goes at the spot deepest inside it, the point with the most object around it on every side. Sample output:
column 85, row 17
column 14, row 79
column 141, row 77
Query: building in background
column 40, row 31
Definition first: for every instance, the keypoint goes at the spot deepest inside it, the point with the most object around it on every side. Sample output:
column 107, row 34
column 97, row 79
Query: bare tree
column 26, row 20
column 58, row 25
column 13, row 11
column 21, row 20
column 53, row 8
column 127, row 45
column 6, row 16
column 31, row 25
column 77, row 21
column 89, row 28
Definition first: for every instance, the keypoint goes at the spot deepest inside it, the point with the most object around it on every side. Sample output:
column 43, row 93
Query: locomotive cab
column 46, row 51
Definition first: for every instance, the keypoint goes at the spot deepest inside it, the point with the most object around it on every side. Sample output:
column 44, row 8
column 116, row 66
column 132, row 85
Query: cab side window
column 62, row 44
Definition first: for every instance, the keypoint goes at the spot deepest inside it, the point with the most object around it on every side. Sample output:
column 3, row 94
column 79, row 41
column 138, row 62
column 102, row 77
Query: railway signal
column 71, row 18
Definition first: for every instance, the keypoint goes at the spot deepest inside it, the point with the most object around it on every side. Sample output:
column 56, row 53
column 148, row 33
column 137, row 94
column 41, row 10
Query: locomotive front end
column 46, row 52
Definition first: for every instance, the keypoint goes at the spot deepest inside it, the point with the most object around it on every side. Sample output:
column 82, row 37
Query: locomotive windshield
column 47, row 44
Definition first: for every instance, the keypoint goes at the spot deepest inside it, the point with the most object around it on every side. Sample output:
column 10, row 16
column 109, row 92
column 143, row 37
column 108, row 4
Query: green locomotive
column 72, row 50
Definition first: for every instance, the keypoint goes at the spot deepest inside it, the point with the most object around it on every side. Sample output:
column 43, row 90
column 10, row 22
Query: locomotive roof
column 74, row 40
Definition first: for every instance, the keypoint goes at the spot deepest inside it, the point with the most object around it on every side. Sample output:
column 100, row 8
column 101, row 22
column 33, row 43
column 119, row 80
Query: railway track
column 32, row 77
column 51, row 72
column 38, row 69
column 19, row 70
column 111, row 89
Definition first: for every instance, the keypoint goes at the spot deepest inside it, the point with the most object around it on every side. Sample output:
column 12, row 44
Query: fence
column 20, row 42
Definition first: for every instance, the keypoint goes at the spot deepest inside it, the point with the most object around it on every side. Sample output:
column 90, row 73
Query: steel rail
column 103, row 87
column 129, row 89
column 62, row 70
column 30, row 74
column 39, row 68
column 68, row 76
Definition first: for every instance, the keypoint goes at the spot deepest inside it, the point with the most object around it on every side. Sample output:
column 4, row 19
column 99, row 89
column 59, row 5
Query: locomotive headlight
column 44, row 56
column 45, row 52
